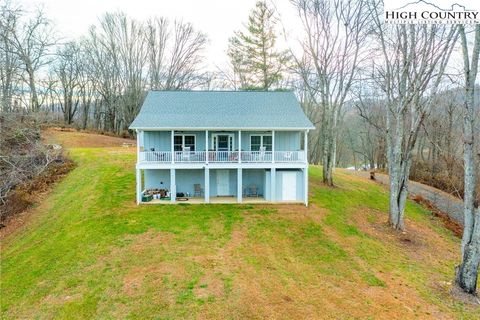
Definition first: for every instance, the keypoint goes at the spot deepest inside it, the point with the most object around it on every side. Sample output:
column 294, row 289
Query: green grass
column 90, row 252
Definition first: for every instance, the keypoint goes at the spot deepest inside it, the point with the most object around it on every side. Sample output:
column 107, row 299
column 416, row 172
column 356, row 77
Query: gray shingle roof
column 221, row 109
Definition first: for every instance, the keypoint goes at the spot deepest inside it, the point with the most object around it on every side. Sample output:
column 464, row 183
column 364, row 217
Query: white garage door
column 289, row 186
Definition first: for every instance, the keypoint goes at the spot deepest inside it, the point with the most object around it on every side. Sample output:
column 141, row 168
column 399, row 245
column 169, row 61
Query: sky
column 217, row 18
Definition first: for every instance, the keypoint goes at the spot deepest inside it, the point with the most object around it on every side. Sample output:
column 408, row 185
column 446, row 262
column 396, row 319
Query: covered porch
column 225, row 185
column 222, row 146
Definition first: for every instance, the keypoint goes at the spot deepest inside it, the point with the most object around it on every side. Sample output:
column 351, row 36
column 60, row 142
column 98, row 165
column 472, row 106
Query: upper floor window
column 258, row 141
column 183, row 140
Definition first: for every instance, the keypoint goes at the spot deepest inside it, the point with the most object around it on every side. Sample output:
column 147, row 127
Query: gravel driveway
column 443, row 201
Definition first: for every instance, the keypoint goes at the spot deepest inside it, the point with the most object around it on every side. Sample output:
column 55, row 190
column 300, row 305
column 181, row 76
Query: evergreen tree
column 257, row 64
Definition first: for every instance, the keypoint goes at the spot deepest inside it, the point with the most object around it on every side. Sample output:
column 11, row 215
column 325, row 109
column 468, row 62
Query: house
column 221, row 146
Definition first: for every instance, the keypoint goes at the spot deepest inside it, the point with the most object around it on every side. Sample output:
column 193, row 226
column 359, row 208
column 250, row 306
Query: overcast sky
column 217, row 18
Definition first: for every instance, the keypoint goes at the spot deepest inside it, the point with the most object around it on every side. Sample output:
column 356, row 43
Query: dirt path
column 441, row 200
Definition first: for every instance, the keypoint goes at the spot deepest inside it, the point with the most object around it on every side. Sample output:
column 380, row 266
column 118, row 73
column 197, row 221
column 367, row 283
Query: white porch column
column 239, row 185
column 239, row 146
column 305, row 145
column 173, row 186
column 138, row 145
column 207, row 185
column 206, row 146
column 273, row 146
column 171, row 147
column 273, row 185
column 139, row 185
column 305, row 185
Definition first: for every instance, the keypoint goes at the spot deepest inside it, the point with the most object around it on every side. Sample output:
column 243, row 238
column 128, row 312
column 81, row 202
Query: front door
column 289, row 185
column 223, row 183
column 223, row 142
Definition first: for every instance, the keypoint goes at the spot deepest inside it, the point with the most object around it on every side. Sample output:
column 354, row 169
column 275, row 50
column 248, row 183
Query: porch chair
column 197, row 190
column 287, row 156
column 253, row 191
column 186, row 154
column 262, row 153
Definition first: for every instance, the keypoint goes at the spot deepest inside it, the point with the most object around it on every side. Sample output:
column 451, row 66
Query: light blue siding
column 187, row 178
column 254, row 177
column 287, row 140
column 157, row 179
column 161, row 140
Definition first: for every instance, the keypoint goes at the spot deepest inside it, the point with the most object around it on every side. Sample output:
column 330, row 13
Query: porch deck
column 200, row 200
column 222, row 156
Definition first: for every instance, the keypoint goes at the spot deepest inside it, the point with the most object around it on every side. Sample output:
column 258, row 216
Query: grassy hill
column 88, row 251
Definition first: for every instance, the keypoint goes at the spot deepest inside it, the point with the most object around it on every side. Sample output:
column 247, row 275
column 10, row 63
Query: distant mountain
column 453, row 7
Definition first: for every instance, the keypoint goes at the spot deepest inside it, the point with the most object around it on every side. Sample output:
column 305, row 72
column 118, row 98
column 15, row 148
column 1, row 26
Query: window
column 177, row 143
column 255, row 143
column 189, row 141
column 184, row 140
column 258, row 141
column 267, row 143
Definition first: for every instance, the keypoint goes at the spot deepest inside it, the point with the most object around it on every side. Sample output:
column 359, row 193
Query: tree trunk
column 328, row 157
column 33, row 90
column 398, row 196
column 467, row 271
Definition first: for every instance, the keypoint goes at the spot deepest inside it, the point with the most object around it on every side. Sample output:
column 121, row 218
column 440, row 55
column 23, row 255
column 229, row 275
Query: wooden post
column 239, row 186
column 207, row 185
column 173, row 186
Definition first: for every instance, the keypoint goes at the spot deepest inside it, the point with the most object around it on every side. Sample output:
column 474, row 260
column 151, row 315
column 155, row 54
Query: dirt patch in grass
column 448, row 222
column 71, row 138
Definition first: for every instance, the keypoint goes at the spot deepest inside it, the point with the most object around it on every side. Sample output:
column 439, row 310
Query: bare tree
column 132, row 57
column 157, row 39
column 174, row 56
column 127, row 57
column 9, row 62
column 104, row 63
column 414, row 61
column 186, row 57
column 67, row 70
column 335, row 32
column 32, row 41
column 467, row 271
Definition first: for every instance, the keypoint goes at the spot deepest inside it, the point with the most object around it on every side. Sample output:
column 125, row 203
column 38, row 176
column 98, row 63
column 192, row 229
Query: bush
column 23, row 160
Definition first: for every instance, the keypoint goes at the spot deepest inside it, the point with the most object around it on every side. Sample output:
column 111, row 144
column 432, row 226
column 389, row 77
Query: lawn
column 87, row 251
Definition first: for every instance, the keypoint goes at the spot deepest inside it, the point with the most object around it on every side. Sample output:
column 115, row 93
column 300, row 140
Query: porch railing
column 222, row 156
